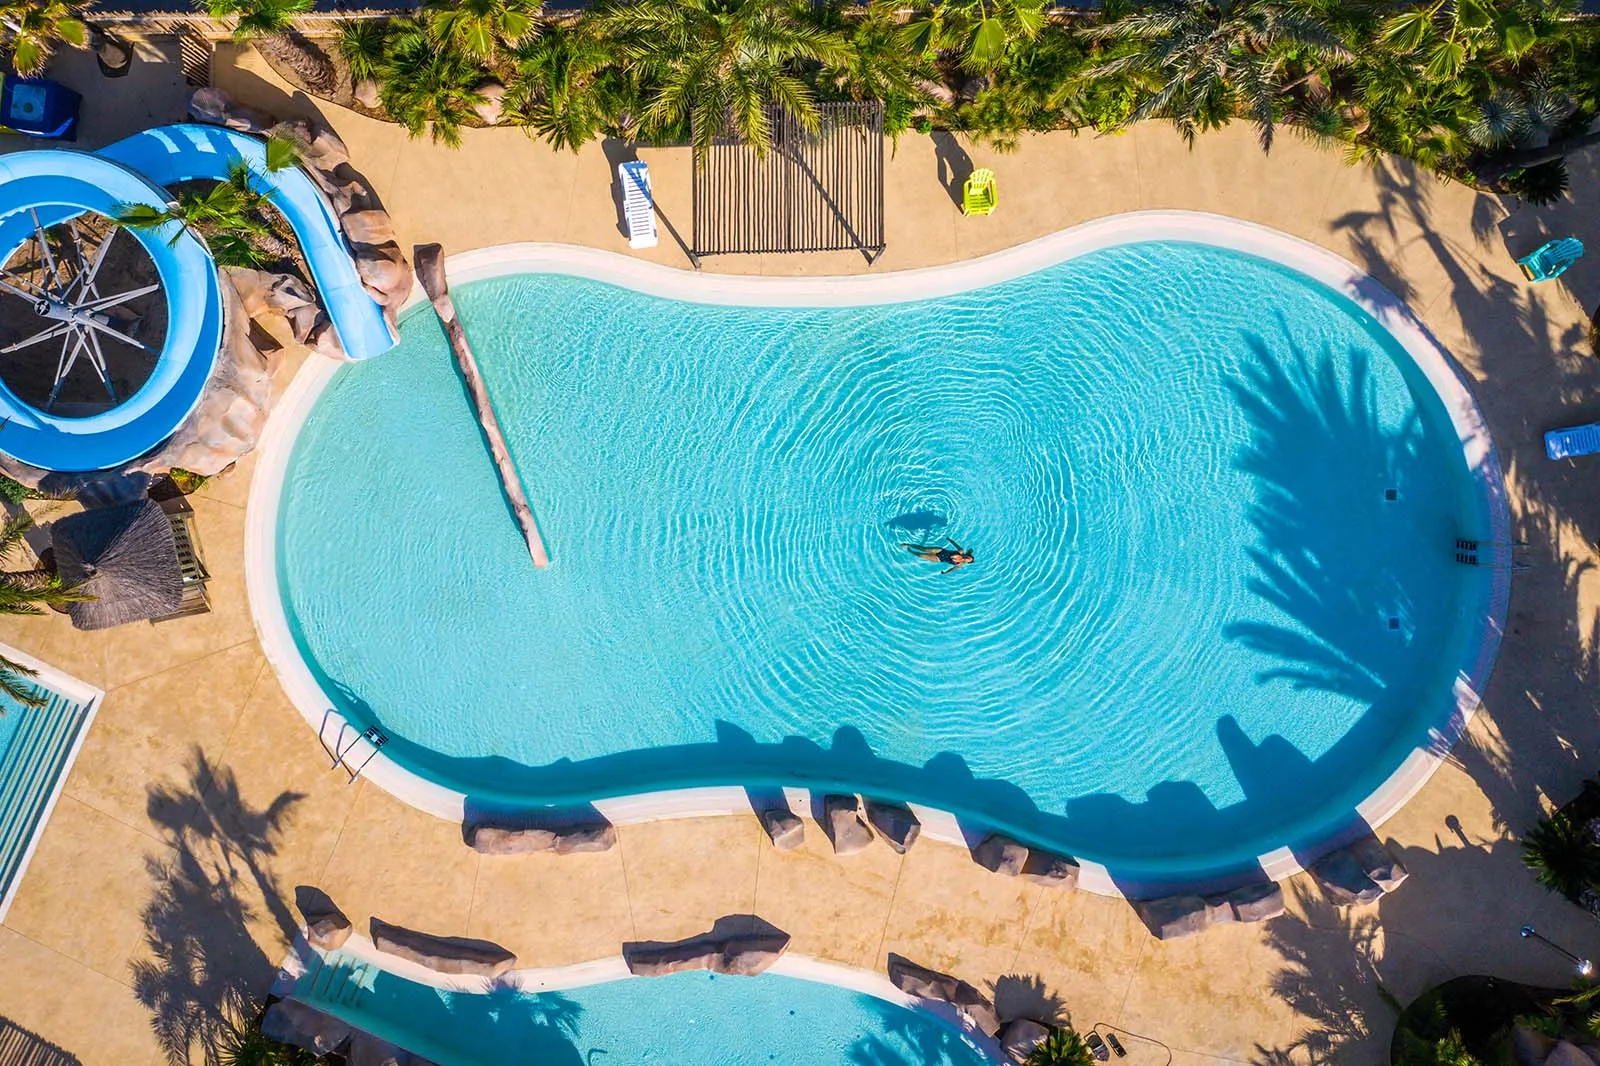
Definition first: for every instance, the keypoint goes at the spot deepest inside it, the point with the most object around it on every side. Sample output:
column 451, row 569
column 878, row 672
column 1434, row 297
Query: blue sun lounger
column 1551, row 259
column 1573, row 442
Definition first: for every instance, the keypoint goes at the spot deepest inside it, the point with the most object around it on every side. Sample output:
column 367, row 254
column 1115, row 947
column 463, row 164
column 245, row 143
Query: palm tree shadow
column 205, row 971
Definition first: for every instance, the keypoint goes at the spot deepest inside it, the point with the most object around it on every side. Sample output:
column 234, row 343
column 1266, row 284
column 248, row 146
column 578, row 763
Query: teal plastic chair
column 1551, row 259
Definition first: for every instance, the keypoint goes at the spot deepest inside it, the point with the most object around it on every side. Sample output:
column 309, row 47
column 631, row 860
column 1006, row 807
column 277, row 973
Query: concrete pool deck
column 163, row 882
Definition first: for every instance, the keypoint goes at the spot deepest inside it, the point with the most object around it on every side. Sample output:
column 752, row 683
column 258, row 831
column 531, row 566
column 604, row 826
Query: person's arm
column 958, row 547
column 956, row 567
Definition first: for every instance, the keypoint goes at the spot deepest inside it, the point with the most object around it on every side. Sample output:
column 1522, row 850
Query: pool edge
column 1448, row 380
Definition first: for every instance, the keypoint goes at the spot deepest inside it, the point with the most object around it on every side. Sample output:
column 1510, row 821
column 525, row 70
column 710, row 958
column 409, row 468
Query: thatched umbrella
column 125, row 558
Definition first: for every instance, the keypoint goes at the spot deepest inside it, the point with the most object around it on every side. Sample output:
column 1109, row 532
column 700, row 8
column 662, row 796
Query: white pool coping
column 88, row 697
column 614, row 968
column 1311, row 260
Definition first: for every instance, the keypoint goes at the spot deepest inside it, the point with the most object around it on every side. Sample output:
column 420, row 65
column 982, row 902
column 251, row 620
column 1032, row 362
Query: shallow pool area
column 1215, row 603
column 37, row 748
column 685, row 1019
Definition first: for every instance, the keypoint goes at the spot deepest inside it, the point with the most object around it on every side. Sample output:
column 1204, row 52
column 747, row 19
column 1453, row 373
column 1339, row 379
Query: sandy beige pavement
column 201, row 798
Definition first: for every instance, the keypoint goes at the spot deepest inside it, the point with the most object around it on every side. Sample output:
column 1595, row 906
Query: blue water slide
column 56, row 185
column 170, row 154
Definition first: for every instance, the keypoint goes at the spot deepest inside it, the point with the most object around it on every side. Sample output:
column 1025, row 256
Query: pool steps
column 29, row 771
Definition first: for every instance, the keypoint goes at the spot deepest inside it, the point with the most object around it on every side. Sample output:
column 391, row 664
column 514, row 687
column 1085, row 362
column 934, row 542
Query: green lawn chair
column 979, row 195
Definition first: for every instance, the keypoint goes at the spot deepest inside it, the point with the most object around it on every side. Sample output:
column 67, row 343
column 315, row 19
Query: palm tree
column 32, row 28
column 1218, row 58
column 26, row 592
column 977, row 32
column 228, row 215
column 269, row 25
column 1563, row 854
column 427, row 87
column 714, row 62
column 1063, row 1047
column 569, row 87
column 361, row 45
column 481, row 27
column 877, row 66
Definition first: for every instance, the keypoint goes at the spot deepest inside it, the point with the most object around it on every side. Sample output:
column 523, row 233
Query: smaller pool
column 687, row 1019
column 37, row 746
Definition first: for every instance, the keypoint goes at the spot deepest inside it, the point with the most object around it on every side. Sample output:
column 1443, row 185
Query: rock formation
column 509, row 837
column 924, row 983
column 1021, row 1036
column 327, row 928
column 1359, row 873
column 784, row 827
column 1175, row 917
column 289, row 1021
column 732, row 947
column 430, row 272
column 845, row 826
column 1012, row 858
column 896, row 825
column 444, row 954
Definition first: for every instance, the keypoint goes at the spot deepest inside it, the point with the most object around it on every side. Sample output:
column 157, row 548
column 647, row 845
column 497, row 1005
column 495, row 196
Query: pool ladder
column 350, row 743
column 1471, row 552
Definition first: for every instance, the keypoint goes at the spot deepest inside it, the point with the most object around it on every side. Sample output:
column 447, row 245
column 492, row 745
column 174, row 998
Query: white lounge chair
column 637, row 206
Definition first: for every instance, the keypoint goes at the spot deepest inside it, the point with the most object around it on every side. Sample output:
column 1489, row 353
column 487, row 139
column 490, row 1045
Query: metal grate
column 816, row 191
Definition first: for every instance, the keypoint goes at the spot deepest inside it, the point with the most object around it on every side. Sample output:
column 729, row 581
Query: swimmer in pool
column 935, row 554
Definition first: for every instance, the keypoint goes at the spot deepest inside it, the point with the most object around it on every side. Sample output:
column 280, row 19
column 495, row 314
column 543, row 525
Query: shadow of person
column 920, row 525
column 955, row 165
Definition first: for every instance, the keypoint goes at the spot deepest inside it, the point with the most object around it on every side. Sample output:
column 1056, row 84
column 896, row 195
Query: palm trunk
column 39, row 581
column 303, row 58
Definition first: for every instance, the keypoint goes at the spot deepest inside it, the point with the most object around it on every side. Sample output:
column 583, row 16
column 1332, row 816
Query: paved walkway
column 201, row 798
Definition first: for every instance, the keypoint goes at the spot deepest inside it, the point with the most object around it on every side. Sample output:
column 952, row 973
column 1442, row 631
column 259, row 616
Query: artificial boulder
column 290, row 1021
column 443, row 954
column 1011, row 858
column 368, row 1050
column 232, row 409
column 896, row 825
column 924, row 983
column 783, row 827
column 512, row 837
column 583, row 839
column 327, row 928
column 1255, row 902
column 1021, row 1036
column 1174, row 917
column 491, row 108
column 1565, row 1053
column 846, row 829
column 1001, row 855
column 1358, row 874
column 730, row 948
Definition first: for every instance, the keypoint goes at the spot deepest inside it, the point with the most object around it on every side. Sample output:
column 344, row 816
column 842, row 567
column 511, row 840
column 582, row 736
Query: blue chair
column 1551, row 259
column 1572, row 442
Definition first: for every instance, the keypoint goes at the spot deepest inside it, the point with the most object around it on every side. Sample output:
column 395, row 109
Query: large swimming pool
column 685, row 1019
column 1213, row 505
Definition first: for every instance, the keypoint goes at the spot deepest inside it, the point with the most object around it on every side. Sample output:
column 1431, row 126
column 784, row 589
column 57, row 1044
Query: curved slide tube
column 170, row 154
column 52, row 186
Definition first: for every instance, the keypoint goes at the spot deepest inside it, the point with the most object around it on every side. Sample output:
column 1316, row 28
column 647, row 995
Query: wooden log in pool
column 429, row 261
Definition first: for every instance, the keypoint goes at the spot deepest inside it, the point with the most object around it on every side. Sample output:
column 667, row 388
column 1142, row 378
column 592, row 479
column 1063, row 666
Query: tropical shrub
column 1063, row 1047
column 1542, row 185
column 1563, row 854
column 228, row 215
column 30, row 30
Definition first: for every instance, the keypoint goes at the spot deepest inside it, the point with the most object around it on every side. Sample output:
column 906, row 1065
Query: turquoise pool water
column 1197, row 628
column 687, row 1019
column 35, row 746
